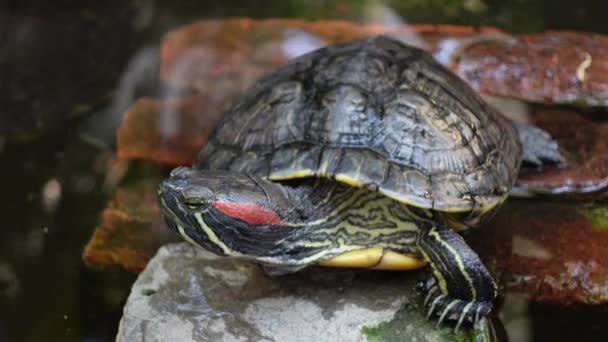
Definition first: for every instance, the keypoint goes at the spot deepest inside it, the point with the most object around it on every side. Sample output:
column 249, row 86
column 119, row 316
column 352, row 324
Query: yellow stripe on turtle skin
column 353, row 181
column 443, row 286
column 211, row 235
column 187, row 237
column 180, row 227
column 461, row 267
column 348, row 202
column 375, row 258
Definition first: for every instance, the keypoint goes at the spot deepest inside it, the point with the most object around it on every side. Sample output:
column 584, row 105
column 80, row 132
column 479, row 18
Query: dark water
column 62, row 73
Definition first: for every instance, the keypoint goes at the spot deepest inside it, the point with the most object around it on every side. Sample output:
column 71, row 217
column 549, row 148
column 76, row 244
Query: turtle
column 363, row 154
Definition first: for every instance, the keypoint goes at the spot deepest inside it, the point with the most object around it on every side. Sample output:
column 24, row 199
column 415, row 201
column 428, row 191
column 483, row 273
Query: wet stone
column 553, row 252
column 236, row 52
column 549, row 67
column 186, row 294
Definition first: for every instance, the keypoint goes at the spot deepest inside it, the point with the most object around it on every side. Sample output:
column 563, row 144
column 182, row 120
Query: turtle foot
column 454, row 309
column 538, row 146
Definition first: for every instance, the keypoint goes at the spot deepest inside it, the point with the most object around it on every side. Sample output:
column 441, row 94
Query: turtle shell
column 375, row 113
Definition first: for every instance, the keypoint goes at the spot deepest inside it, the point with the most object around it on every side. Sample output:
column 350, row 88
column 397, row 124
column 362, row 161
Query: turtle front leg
column 463, row 289
column 537, row 145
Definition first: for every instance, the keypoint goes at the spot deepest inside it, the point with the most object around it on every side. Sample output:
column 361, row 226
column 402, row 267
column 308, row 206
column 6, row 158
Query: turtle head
column 224, row 212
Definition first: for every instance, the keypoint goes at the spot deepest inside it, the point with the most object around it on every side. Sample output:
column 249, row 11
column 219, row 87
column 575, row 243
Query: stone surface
column 550, row 67
column 185, row 294
column 549, row 251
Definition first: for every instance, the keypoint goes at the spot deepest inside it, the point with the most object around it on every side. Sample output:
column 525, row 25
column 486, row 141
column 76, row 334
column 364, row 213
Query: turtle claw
column 430, row 294
column 454, row 309
column 432, row 308
column 445, row 312
column 477, row 315
column 465, row 310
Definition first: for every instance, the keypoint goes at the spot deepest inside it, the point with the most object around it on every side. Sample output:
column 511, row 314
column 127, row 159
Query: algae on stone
column 596, row 214
column 410, row 320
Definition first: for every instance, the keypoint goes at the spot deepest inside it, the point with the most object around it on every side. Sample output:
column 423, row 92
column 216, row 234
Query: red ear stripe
column 248, row 212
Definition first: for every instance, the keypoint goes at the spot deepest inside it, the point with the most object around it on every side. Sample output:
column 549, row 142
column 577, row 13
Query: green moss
column 596, row 214
column 410, row 322
column 374, row 333
column 396, row 329
column 472, row 335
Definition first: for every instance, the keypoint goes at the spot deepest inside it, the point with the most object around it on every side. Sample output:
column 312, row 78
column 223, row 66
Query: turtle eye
column 193, row 206
column 195, row 203
column 197, row 197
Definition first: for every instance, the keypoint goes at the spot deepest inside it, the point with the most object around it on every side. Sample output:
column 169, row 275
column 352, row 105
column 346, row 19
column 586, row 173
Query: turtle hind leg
column 538, row 147
column 462, row 289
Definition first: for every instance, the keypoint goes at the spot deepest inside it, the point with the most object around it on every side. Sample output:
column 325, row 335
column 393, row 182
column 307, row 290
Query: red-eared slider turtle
column 365, row 154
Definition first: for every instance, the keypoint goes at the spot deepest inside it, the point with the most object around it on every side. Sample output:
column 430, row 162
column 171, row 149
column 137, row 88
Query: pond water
column 69, row 71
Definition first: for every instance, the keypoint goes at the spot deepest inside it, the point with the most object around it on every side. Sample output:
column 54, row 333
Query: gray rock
column 185, row 294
